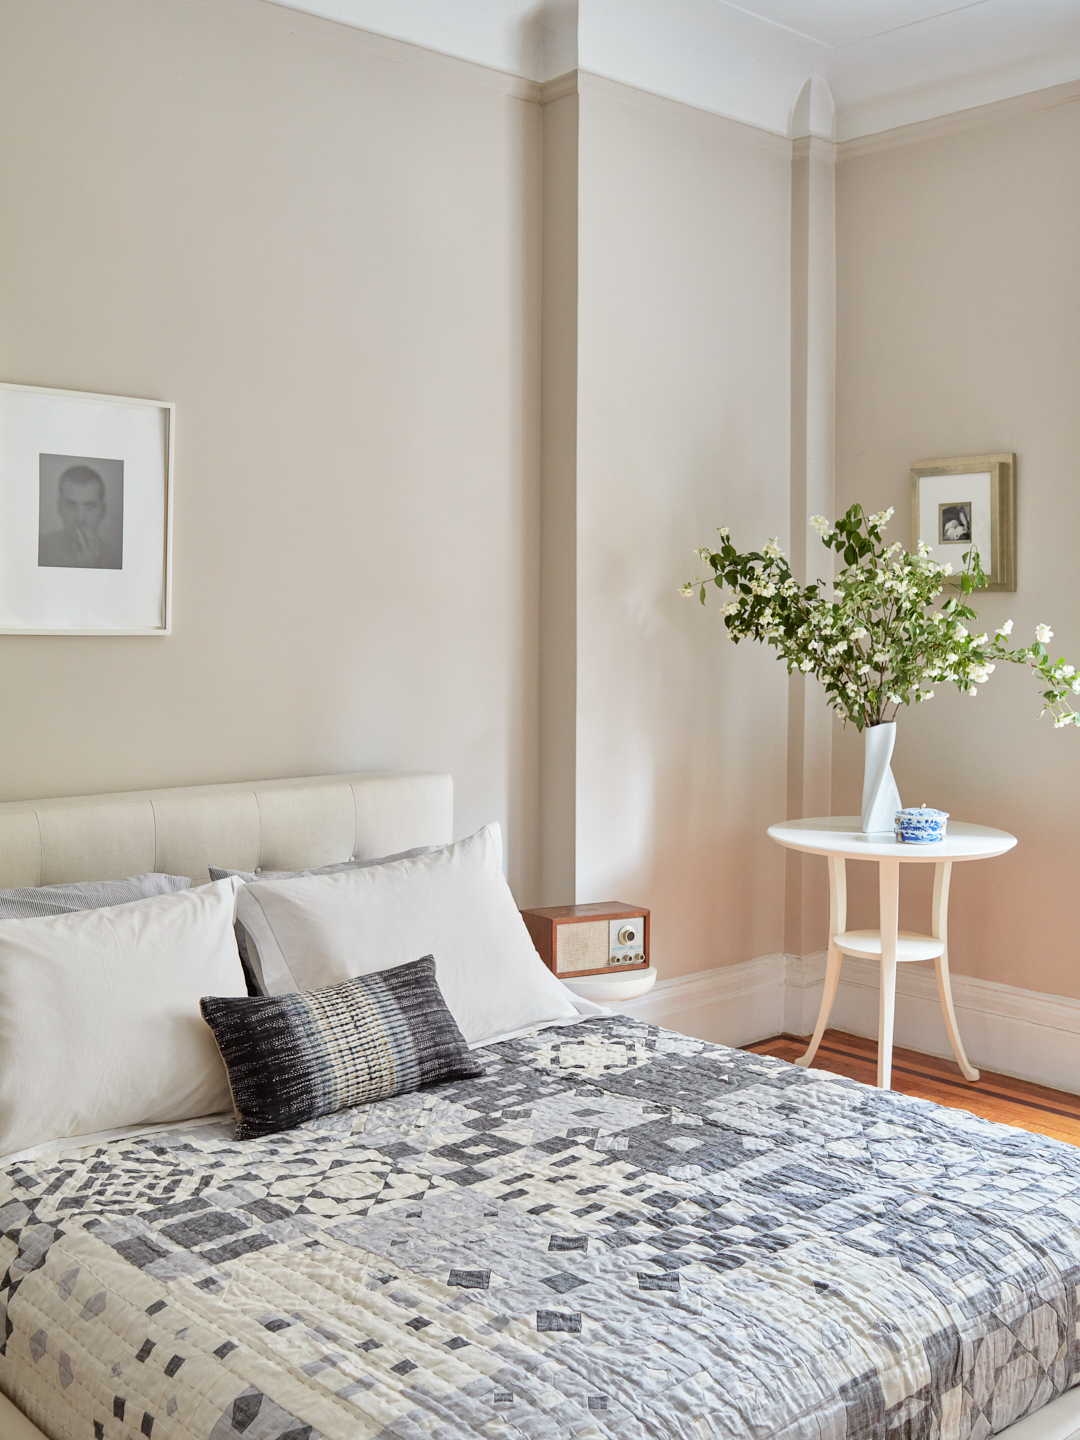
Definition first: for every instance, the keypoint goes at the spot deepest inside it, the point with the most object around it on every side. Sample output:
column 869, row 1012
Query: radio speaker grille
column 583, row 946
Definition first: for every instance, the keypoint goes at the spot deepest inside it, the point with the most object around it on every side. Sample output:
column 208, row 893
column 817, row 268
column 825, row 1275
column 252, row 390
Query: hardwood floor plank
column 1035, row 1108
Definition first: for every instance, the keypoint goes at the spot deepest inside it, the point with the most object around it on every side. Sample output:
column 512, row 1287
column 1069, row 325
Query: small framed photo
column 964, row 503
column 85, row 513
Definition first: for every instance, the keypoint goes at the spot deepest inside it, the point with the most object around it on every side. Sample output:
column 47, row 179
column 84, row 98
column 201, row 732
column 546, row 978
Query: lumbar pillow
column 453, row 903
column 294, row 1057
column 28, row 903
column 99, row 1016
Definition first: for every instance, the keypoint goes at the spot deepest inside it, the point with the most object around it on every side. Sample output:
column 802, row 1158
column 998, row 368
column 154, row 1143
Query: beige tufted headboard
column 256, row 824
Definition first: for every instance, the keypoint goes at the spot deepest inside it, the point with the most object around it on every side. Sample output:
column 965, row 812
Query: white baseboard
column 1016, row 1032
column 732, row 1005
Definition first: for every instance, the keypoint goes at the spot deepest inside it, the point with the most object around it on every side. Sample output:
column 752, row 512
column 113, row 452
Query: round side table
column 839, row 838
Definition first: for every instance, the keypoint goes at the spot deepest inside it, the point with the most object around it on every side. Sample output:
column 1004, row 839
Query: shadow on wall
column 548, row 40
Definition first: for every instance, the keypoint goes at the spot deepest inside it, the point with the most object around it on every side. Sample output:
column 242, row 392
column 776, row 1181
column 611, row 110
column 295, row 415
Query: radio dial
column 628, row 935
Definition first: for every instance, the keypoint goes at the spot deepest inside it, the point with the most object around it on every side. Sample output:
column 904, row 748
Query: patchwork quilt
column 614, row 1232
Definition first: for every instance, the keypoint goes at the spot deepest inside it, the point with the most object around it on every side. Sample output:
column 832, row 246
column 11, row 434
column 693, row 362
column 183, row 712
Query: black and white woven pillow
column 294, row 1057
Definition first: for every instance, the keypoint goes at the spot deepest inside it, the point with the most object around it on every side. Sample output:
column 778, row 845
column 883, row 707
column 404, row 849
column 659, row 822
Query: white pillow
column 454, row 904
column 99, row 1015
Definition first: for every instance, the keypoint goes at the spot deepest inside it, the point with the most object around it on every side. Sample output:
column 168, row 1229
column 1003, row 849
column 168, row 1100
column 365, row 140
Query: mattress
column 615, row 1231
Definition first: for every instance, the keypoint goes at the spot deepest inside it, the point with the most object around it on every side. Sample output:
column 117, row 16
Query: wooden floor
column 994, row 1097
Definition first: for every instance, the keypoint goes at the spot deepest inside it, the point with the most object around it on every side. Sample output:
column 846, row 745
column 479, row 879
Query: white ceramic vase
column 880, row 797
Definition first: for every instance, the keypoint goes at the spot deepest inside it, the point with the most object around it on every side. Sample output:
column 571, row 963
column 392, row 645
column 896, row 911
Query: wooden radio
column 590, row 939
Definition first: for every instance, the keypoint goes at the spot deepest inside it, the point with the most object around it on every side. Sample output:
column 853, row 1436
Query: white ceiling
column 885, row 62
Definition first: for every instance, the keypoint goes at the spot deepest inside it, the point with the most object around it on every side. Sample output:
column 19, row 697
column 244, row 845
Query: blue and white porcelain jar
column 919, row 826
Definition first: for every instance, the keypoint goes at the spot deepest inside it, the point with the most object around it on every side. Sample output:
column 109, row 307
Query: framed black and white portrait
column 964, row 503
column 85, row 510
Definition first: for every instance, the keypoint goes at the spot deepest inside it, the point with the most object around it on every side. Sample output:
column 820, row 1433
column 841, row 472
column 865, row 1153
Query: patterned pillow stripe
column 294, row 1057
column 32, row 903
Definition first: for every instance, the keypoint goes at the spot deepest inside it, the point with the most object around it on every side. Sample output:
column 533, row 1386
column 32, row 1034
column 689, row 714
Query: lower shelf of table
column 866, row 945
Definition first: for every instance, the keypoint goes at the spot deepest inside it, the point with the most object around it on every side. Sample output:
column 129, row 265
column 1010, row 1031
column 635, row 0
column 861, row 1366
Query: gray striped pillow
column 294, row 1057
column 33, row 903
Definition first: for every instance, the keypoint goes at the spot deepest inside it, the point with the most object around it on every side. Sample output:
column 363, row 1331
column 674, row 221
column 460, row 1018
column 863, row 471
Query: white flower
column 1067, row 670
column 882, row 518
column 772, row 549
column 946, row 569
column 724, row 531
column 804, row 665
column 858, row 633
column 980, row 639
column 924, row 549
column 687, row 590
column 959, row 630
column 1043, row 634
column 1005, row 630
column 820, row 524
column 971, row 690
column 865, row 670
column 927, row 695
column 731, row 608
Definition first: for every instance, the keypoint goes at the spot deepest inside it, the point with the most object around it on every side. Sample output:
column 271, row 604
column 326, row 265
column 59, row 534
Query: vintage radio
column 590, row 939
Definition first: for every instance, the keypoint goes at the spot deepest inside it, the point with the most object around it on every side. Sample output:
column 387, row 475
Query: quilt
column 615, row 1231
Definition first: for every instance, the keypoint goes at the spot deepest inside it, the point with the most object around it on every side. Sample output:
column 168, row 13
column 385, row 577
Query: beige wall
column 324, row 248
column 959, row 334
column 683, row 416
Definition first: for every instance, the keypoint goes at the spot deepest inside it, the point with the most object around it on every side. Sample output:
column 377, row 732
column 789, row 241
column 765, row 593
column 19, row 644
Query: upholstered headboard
column 256, row 824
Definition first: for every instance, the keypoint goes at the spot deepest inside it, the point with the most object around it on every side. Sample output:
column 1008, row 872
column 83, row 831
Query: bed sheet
column 615, row 1231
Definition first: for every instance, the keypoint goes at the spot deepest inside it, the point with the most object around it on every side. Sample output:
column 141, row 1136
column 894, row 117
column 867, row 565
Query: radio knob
column 628, row 935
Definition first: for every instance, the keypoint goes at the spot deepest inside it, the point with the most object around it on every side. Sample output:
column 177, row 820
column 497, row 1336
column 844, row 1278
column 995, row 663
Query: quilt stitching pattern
column 614, row 1231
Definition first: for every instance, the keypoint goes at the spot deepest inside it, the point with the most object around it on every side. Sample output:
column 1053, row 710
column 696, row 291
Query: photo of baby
column 954, row 524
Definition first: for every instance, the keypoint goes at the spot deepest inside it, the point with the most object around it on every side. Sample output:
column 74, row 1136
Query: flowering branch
column 873, row 638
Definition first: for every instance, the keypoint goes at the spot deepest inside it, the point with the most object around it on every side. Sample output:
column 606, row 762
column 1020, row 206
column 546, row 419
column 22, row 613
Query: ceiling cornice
column 971, row 119
column 719, row 60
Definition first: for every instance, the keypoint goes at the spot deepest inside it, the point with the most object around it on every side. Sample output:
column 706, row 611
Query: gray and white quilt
column 615, row 1232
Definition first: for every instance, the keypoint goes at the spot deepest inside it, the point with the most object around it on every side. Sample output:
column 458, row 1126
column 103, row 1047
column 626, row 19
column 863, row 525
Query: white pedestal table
column 839, row 839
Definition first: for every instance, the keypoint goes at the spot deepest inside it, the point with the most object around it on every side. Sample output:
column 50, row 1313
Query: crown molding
column 320, row 30
column 813, row 147
column 559, row 88
column 586, row 82
column 960, row 120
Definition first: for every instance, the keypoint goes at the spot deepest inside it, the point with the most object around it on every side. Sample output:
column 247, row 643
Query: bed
column 613, row 1231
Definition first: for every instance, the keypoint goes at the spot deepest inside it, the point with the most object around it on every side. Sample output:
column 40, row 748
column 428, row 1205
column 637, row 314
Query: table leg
column 837, row 925
column 940, row 913
column 889, row 921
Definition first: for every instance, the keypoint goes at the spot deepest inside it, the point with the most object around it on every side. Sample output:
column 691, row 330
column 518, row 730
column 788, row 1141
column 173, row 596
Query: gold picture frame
column 966, row 501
